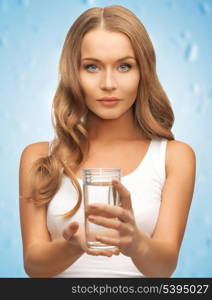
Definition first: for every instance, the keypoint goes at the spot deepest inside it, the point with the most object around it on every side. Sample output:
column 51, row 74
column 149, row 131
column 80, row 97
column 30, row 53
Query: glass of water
column 98, row 188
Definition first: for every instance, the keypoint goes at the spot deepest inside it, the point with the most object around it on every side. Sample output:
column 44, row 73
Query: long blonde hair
column 152, row 110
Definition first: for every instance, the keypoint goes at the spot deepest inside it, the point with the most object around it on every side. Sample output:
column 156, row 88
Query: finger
column 95, row 208
column 108, row 253
column 70, row 230
column 109, row 223
column 124, row 194
column 116, row 251
column 110, row 210
column 98, row 252
column 108, row 240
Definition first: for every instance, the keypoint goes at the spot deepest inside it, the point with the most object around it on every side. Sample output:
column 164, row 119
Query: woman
column 107, row 54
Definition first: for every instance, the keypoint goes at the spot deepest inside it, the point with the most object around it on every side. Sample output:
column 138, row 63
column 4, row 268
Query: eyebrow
column 95, row 59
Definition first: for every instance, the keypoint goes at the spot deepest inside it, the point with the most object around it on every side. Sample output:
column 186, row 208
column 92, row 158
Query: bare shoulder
column 32, row 218
column 29, row 155
column 36, row 150
column 179, row 154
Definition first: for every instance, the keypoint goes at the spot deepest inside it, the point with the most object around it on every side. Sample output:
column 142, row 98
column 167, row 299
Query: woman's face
column 106, row 72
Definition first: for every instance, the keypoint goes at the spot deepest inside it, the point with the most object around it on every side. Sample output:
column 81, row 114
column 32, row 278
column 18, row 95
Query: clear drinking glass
column 98, row 188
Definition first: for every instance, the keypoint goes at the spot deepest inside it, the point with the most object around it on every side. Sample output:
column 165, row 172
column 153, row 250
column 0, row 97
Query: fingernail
column 115, row 181
column 92, row 205
column 90, row 218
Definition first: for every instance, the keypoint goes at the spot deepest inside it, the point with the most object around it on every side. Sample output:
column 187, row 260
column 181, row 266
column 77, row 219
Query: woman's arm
column 154, row 256
column 42, row 257
column 157, row 256
column 48, row 259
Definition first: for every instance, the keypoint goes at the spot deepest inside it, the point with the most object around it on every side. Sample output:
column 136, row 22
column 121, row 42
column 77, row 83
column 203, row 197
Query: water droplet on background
column 208, row 220
column 191, row 53
column 5, row 115
column 202, row 107
column 195, row 88
column 3, row 6
column 210, row 96
column 204, row 8
column 3, row 41
column 23, row 126
column 185, row 35
column 24, row 3
column 89, row 2
column 170, row 4
column 208, row 242
column 35, row 28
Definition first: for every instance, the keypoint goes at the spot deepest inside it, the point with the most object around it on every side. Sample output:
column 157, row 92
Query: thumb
column 70, row 230
column 124, row 194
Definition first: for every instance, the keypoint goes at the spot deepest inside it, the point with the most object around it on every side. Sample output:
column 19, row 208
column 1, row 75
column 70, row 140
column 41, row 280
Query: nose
column 108, row 81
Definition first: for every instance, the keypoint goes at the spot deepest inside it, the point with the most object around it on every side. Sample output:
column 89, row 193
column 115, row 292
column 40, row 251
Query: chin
column 109, row 116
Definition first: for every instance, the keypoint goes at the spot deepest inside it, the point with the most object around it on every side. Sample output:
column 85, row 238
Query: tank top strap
column 162, row 161
column 158, row 156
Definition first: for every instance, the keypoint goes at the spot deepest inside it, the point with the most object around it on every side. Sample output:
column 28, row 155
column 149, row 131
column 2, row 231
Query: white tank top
column 145, row 186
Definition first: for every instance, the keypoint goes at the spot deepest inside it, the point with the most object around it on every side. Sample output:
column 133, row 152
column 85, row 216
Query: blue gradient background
column 31, row 38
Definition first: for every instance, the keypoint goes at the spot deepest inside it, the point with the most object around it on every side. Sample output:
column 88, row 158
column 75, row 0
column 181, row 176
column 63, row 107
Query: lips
column 109, row 102
column 108, row 99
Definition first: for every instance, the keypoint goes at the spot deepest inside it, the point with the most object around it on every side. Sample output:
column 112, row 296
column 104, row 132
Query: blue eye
column 88, row 67
column 126, row 65
column 92, row 67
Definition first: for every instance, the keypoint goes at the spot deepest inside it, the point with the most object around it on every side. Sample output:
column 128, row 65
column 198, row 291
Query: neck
column 112, row 130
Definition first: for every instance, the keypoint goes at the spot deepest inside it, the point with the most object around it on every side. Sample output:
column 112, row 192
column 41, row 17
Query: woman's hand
column 75, row 235
column 120, row 218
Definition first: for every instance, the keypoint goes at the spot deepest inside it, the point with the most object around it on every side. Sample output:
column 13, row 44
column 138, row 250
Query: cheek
column 87, row 83
column 130, row 84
